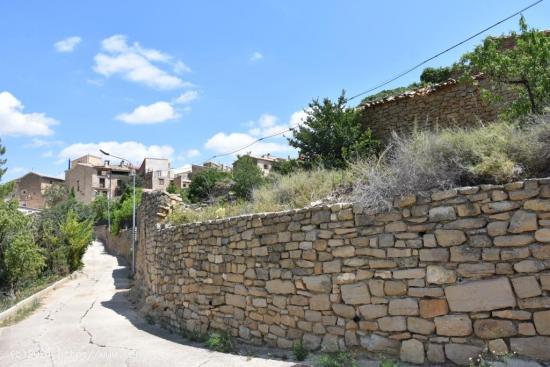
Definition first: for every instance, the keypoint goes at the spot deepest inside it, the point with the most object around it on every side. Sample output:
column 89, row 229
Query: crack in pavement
column 52, row 312
column 41, row 351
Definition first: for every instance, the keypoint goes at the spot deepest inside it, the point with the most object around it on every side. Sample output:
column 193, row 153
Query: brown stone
column 465, row 253
column 534, row 303
column 460, row 354
column 499, row 207
column 476, row 270
column 434, row 254
column 371, row 312
column 466, row 223
column 526, row 329
column 498, row 347
column 493, row 329
column 541, row 252
column 480, row 295
column 404, row 306
column 524, row 194
column 392, row 323
column 523, row 221
column 343, row 251
column 468, row 209
column 512, row 314
column 420, row 326
column 395, row 288
column 311, row 342
column 279, row 286
column 319, row 302
column 409, row 273
column 543, row 235
column 545, row 281
column 345, row 311
column 334, row 266
column 514, row 253
column 529, row 266
column 412, row 351
column 453, row 325
column 442, row 213
column 449, row 237
column 542, row 322
column 513, row 240
column 537, row 205
column 425, row 292
column 318, row 283
column 497, row 228
column 435, row 353
column 355, row 294
column 439, row 275
column 526, row 287
column 378, row 344
column 533, row 347
column 433, row 307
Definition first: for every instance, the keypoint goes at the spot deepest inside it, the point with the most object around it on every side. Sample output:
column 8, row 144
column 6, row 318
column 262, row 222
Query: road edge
column 13, row 309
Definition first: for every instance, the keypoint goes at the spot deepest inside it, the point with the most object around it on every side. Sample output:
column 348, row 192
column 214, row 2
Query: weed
column 194, row 335
column 21, row 313
column 388, row 363
column 487, row 358
column 220, row 341
column 299, row 351
column 335, row 359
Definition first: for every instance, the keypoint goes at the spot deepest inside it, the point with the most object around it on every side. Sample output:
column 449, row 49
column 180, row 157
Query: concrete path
column 89, row 321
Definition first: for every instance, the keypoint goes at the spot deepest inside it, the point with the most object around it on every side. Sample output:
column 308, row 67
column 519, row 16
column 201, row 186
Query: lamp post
column 133, row 174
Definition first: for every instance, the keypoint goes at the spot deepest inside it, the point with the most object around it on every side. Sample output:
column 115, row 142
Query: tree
column 206, row 184
column 332, row 135
column 172, row 188
column 524, row 68
column 55, row 194
column 23, row 260
column 288, row 166
column 76, row 235
column 100, row 208
column 247, row 176
column 436, row 75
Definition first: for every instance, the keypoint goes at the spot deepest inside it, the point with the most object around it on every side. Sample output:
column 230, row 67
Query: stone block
column 235, row 300
column 443, row 195
column 513, row 240
column 334, row 266
column 466, row 223
column 526, row 287
column 453, row 325
column 386, row 240
column 497, row 228
column 343, row 251
column 512, row 314
column 460, row 354
column 537, row 205
column 476, row 270
column 450, row 237
column 534, row 303
column 371, row 312
column 418, row 325
column 404, row 306
column 433, row 307
column 355, row 294
column 412, row 351
column 480, row 295
column 417, row 273
column 514, row 253
column 465, row 253
column 523, row 221
column 318, row 283
column 319, row 302
column 543, row 235
column 434, row 254
column 493, row 328
column 545, row 281
column 442, row 213
column 499, row 207
column 533, row 347
column 468, row 209
column 345, row 311
column 392, row 323
column 378, row 344
column 435, row 353
column 439, row 275
column 529, row 266
column 480, row 240
column 542, row 322
column 321, row 216
column 395, row 288
column 498, row 347
column 311, row 341
column 541, row 252
column 526, row 329
column 279, row 286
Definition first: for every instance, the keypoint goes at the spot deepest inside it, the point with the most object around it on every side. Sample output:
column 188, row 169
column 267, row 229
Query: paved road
column 88, row 321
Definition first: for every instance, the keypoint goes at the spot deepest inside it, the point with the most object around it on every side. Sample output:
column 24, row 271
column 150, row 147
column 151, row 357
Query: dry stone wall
column 438, row 278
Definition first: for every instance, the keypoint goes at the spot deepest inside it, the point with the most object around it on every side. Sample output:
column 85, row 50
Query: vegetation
column 208, row 184
column 436, row 75
column 335, row 359
column 331, row 135
column 220, row 341
column 21, row 314
column 247, row 176
column 524, row 68
column 122, row 209
column 300, row 352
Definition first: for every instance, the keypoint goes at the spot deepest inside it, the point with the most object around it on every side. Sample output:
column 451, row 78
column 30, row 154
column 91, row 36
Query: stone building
column 265, row 162
column 447, row 104
column 89, row 176
column 156, row 173
column 30, row 189
column 182, row 180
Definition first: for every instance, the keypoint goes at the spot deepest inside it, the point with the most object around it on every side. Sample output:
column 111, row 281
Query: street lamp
column 133, row 174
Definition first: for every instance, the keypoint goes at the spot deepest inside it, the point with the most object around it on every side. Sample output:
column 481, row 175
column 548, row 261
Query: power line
column 444, row 51
column 393, row 78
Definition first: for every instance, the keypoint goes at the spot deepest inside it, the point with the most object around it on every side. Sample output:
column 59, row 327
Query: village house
column 30, row 190
column 156, row 173
column 265, row 162
column 89, row 176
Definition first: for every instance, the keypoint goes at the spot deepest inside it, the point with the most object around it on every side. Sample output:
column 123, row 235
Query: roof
column 42, row 176
column 416, row 92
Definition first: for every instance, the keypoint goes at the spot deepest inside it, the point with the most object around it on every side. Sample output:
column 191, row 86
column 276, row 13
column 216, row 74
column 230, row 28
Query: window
column 159, row 173
column 161, row 181
column 266, row 166
column 78, row 185
column 102, row 182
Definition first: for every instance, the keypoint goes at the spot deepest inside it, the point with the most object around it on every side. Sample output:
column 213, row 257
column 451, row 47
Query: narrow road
column 89, row 321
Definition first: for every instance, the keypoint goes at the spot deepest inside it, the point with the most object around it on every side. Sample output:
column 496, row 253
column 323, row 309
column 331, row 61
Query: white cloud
column 184, row 168
column 297, row 118
column 39, row 143
column 192, row 153
column 224, row 143
column 67, row 44
column 14, row 122
column 47, row 154
column 135, row 63
column 131, row 150
column 149, row 114
column 187, row 97
column 256, row 56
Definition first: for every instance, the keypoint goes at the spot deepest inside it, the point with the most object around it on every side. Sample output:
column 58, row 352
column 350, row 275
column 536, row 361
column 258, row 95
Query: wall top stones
column 437, row 278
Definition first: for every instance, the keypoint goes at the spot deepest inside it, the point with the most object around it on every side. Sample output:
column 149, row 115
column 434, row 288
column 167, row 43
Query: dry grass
column 21, row 314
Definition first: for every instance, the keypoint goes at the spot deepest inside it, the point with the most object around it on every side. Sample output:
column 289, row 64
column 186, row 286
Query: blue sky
column 187, row 80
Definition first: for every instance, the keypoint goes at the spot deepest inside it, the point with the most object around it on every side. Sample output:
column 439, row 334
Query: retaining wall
column 440, row 277
column 118, row 245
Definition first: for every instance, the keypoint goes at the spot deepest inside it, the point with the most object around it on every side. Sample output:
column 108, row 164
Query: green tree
column 55, row 194
column 76, row 236
column 436, row 75
column 23, row 260
column 287, row 166
column 172, row 188
column 247, row 176
column 524, row 68
column 204, row 185
column 123, row 209
column 332, row 135
column 100, row 208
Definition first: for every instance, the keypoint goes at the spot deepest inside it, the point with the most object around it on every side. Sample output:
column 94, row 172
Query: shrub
column 495, row 153
column 208, row 184
column 77, row 235
column 336, row 359
column 23, row 260
column 299, row 351
column 220, row 341
column 247, row 176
